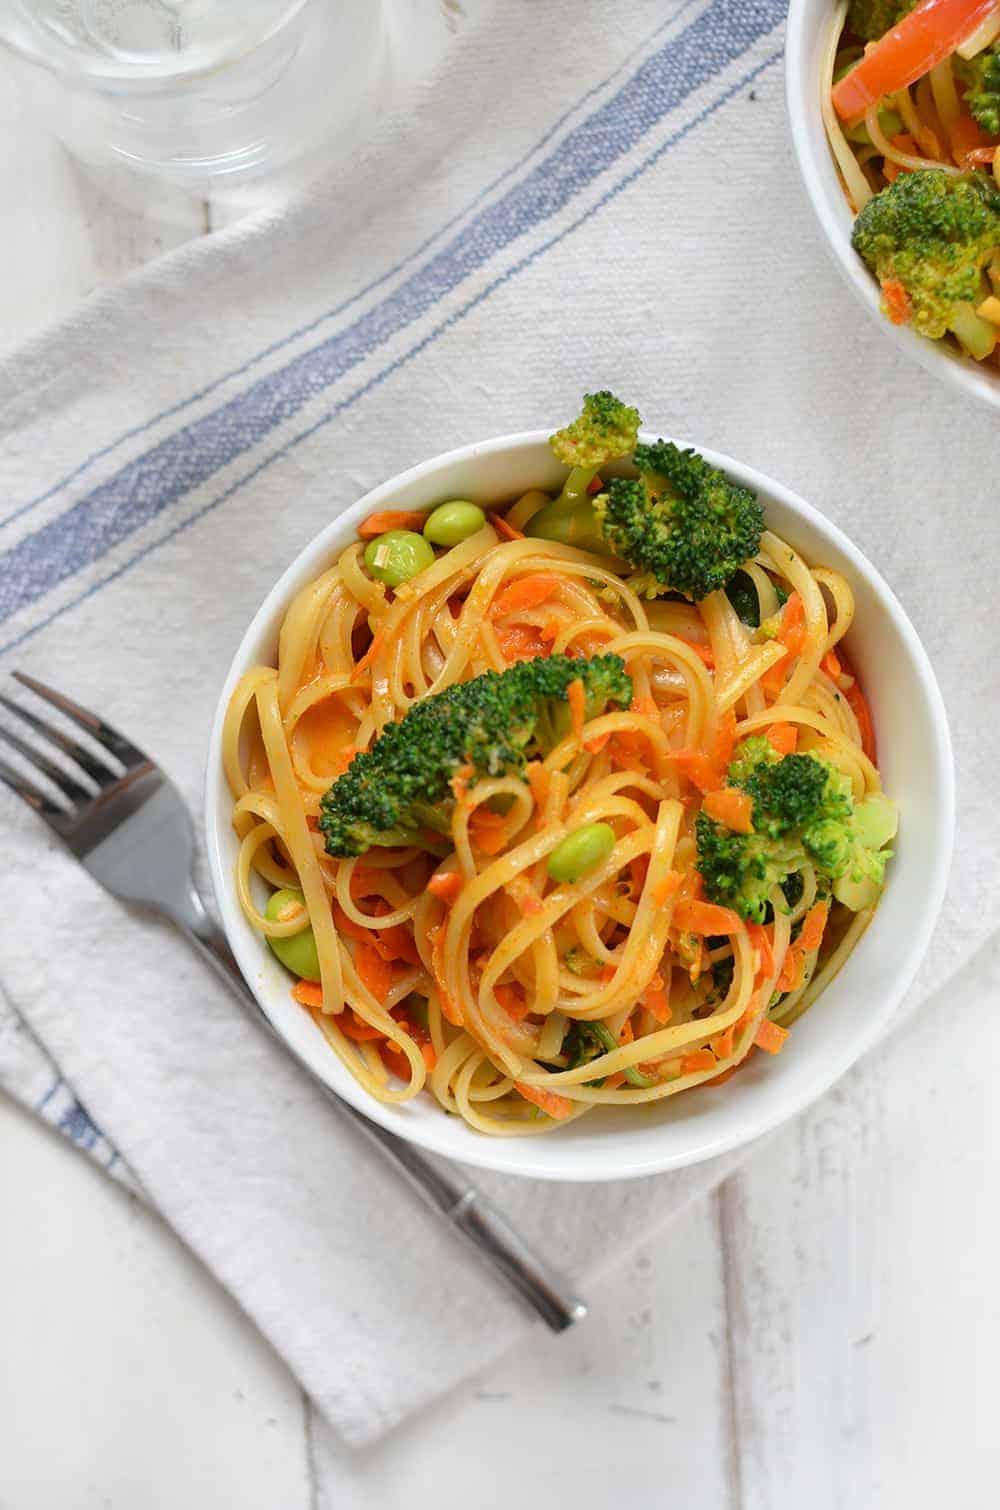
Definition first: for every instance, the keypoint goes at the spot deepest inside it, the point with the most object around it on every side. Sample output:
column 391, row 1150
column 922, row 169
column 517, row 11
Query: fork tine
column 31, row 794
column 70, row 788
column 109, row 738
column 98, row 772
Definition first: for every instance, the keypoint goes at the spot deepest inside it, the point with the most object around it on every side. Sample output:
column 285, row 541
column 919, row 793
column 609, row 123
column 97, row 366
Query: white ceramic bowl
column 805, row 38
column 915, row 756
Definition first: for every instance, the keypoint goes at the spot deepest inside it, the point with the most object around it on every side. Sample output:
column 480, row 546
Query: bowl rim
column 568, row 1163
column 802, row 105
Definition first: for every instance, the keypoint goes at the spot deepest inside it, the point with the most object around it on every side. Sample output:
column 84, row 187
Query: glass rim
column 20, row 34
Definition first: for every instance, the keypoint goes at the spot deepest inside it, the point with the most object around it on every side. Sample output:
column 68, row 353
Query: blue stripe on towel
column 140, row 491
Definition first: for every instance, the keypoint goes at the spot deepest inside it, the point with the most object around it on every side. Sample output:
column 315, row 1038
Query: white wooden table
column 819, row 1334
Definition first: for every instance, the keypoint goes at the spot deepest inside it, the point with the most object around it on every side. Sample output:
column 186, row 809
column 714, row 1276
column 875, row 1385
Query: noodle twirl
column 561, row 803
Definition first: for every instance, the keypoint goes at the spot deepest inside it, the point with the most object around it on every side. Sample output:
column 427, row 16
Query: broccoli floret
column 981, row 77
column 493, row 723
column 933, row 234
column 681, row 524
column 606, row 431
column 803, row 811
column 871, row 19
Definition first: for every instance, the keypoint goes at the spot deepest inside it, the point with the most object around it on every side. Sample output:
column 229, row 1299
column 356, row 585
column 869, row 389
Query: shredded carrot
column 555, row 1106
column 595, row 485
column 487, row 831
column 966, row 138
column 449, row 1007
column 812, row 928
column 430, row 1056
column 656, row 998
column 538, row 780
column 699, row 769
column 726, row 1042
column 524, row 593
column 367, row 658
column 627, row 1034
column 354, row 1026
column 460, row 782
column 791, row 970
column 770, row 1037
column 596, row 745
column 309, row 993
column 731, row 807
column 507, row 531
column 859, row 706
column 784, row 738
column 725, row 740
column 513, row 1001
column 705, row 652
column 668, row 887
column 550, row 629
column 701, row 1059
column 760, row 943
column 706, row 918
column 364, row 882
column 446, row 886
column 577, row 699
column 831, row 665
column 522, row 642
column 792, row 633
column 898, row 304
column 614, row 1081
column 344, row 757
column 373, row 971
column 773, row 680
column 392, row 519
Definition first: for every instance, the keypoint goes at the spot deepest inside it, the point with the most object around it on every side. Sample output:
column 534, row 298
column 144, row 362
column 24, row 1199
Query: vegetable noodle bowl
column 538, row 825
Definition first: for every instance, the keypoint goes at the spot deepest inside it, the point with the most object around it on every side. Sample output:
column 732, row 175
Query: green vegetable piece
column 589, row 1040
column 934, row 233
column 742, row 594
column 871, row 19
column 981, row 77
column 803, row 812
column 451, row 523
column 400, row 788
column 581, row 852
column 398, row 555
column 297, row 951
column 605, row 431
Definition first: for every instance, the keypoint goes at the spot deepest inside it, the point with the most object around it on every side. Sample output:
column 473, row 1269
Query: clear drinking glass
column 193, row 91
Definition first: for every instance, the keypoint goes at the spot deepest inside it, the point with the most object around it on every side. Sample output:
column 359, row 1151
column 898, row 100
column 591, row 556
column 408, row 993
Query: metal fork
column 127, row 824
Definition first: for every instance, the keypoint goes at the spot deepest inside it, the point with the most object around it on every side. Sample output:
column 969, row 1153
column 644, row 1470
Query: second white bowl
column 806, row 36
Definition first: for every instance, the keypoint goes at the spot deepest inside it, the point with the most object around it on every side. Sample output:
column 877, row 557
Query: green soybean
column 451, row 523
column 398, row 555
column 297, row 951
column 581, row 852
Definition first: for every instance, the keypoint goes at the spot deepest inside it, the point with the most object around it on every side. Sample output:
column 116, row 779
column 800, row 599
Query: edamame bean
column 581, row 852
column 451, row 523
column 297, row 952
column 397, row 556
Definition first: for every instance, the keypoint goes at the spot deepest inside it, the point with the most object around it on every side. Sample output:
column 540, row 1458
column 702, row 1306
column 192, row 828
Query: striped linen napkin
column 591, row 193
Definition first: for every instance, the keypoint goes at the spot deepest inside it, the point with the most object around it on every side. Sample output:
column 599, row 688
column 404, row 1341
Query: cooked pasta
column 549, row 946
column 910, row 100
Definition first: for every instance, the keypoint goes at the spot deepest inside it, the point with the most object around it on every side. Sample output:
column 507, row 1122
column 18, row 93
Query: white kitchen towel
column 589, row 193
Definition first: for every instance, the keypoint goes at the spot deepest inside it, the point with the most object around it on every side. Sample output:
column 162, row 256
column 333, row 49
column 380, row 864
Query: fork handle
column 465, row 1207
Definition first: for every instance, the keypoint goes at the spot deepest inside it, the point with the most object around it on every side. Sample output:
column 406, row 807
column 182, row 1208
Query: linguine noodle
column 461, row 968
